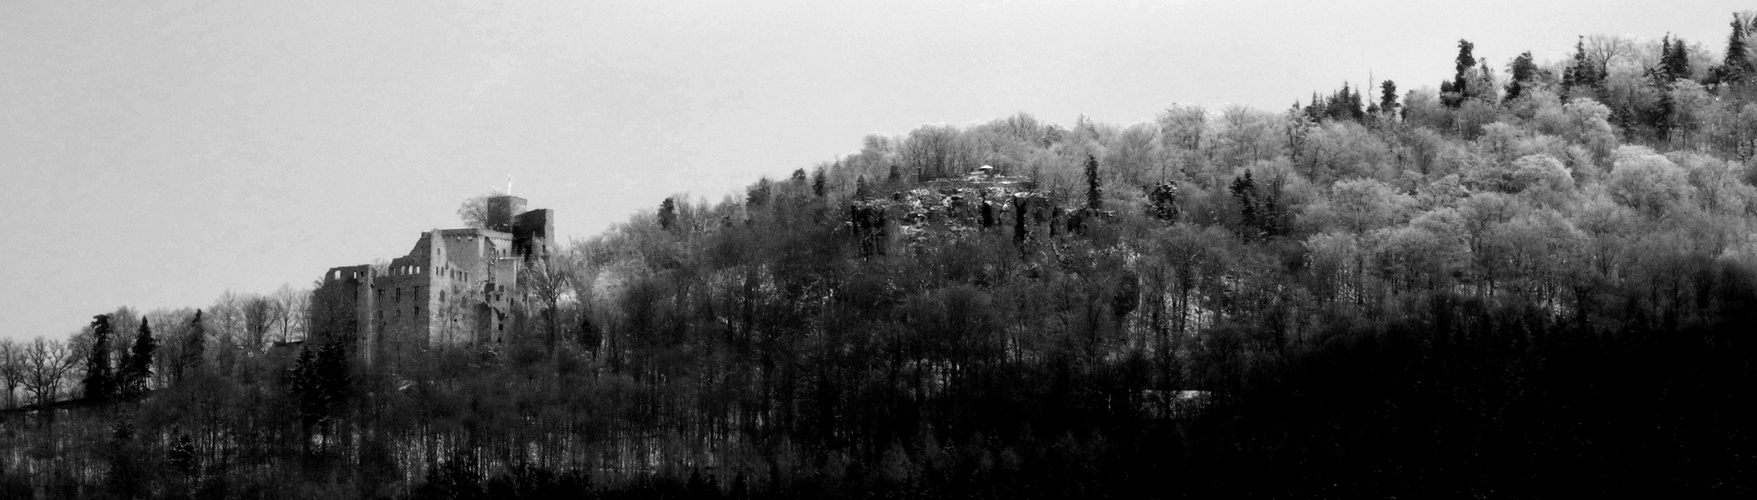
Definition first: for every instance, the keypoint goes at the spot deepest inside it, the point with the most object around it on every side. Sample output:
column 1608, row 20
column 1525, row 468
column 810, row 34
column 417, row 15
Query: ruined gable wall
column 402, row 309
column 341, row 308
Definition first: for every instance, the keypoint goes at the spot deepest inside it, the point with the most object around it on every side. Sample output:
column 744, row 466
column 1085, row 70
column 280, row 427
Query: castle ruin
column 454, row 288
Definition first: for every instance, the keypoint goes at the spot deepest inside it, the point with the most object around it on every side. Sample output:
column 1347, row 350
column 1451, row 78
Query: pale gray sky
column 158, row 153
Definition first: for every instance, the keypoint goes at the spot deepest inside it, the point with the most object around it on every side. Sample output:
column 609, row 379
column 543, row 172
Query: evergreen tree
column 1094, row 192
column 1463, row 64
column 194, row 356
column 182, row 457
column 1354, row 103
column 318, row 381
column 1675, row 58
column 1737, row 65
column 1335, row 106
column 1269, row 207
column 590, row 335
column 819, row 177
column 798, row 177
column 1388, row 97
column 667, row 214
column 98, row 376
column 1584, row 72
column 137, row 362
column 1523, row 71
column 1244, row 191
column 759, row 193
column 1162, row 202
column 861, row 191
column 333, row 365
column 305, row 386
column 1454, row 94
column 1673, row 65
column 1316, row 111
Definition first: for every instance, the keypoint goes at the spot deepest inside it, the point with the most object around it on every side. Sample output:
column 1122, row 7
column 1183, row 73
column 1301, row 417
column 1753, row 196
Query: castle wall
column 340, row 307
column 454, row 287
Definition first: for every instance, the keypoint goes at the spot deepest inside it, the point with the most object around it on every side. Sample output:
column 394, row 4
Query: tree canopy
column 1528, row 283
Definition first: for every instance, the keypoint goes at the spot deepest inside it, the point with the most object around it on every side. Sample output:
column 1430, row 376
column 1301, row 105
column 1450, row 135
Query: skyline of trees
column 1520, row 280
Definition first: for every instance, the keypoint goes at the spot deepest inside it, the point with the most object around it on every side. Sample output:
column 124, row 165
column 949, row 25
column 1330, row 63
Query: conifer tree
column 667, row 214
column 758, row 194
column 194, row 349
column 98, row 373
column 1269, row 207
column 1584, row 72
column 1523, row 70
column 1354, row 103
column 136, row 366
column 1244, row 191
column 1462, row 66
column 305, row 386
column 1454, row 94
column 182, row 455
column 1737, row 65
column 1674, row 59
column 1162, row 202
column 1568, row 76
column 318, row 380
column 1673, row 66
column 819, row 177
column 1388, row 97
column 1094, row 192
column 1316, row 110
column 861, row 191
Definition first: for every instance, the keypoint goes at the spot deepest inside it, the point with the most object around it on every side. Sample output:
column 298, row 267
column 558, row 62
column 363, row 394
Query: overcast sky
column 159, row 153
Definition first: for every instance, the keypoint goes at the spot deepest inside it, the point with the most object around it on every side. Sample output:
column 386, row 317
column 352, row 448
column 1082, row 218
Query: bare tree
column 480, row 211
column 259, row 318
column 1607, row 49
column 1184, row 127
column 298, row 312
column 47, row 364
column 935, row 152
column 545, row 280
column 585, row 271
column 11, row 369
column 1247, row 134
column 1020, row 127
column 226, row 322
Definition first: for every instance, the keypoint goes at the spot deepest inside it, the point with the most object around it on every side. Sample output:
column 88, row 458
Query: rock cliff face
column 950, row 208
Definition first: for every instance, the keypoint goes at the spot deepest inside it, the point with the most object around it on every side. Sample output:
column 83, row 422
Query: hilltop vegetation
column 1532, row 283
